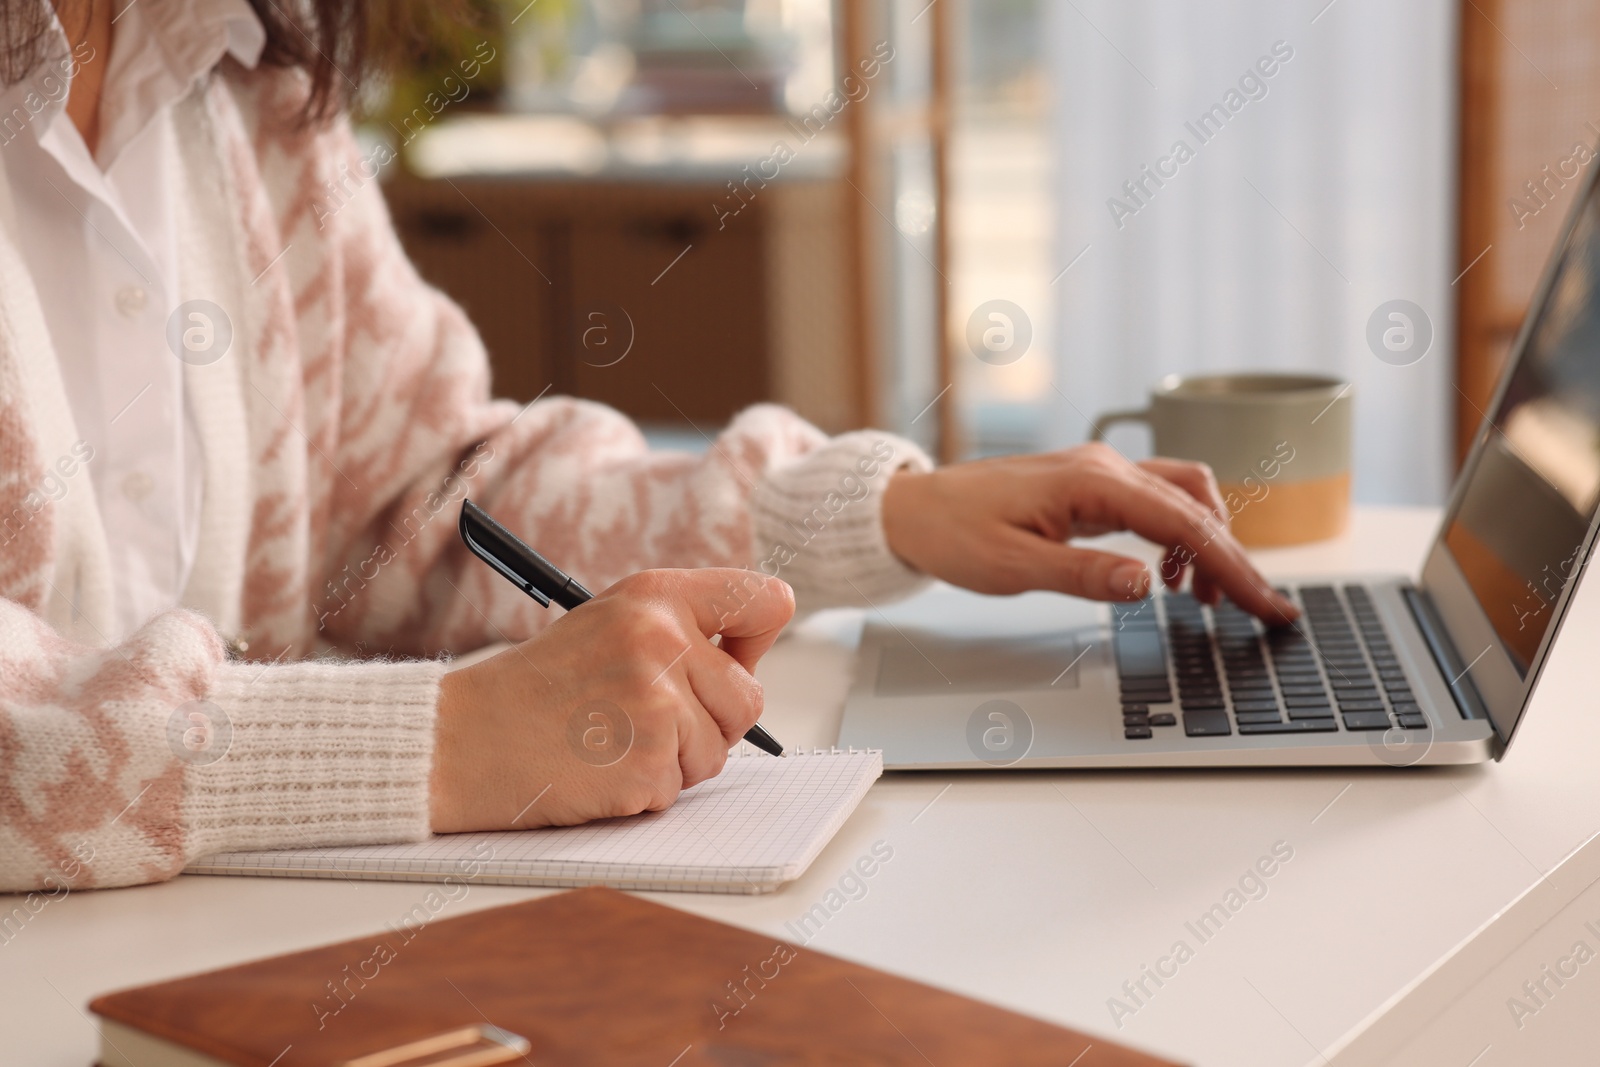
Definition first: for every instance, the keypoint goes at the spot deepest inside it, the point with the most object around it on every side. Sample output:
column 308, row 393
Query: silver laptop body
column 1436, row 668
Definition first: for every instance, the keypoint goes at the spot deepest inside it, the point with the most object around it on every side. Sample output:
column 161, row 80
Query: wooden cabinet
column 1530, row 96
column 629, row 292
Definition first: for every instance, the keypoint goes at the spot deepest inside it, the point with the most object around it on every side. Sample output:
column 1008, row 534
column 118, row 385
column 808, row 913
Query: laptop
column 1435, row 668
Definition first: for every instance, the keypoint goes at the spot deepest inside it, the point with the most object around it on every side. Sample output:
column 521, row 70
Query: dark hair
column 328, row 39
column 23, row 24
column 336, row 42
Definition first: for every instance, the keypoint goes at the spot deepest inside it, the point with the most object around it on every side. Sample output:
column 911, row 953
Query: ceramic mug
column 1279, row 445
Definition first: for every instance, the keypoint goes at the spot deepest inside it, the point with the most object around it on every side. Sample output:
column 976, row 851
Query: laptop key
column 1360, row 705
column 1165, row 718
column 1294, row 726
column 1413, row 722
column 1355, row 694
column 1320, row 700
column 1139, row 652
column 1407, row 709
column 1304, row 691
column 1139, row 719
column 1255, row 705
column 1135, row 733
column 1242, row 717
column 1321, row 711
column 1366, row 720
column 1206, row 723
column 1250, row 681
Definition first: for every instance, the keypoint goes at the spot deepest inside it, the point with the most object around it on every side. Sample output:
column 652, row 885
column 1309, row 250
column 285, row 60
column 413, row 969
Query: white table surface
column 1040, row 891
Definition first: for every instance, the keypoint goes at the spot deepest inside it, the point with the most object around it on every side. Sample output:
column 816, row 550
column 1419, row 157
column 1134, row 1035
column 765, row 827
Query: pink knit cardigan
column 363, row 418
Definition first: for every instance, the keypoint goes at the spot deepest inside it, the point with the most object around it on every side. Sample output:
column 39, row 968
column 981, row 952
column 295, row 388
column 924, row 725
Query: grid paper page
column 756, row 825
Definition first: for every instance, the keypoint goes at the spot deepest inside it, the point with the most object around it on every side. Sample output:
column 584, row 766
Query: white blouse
column 98, row 235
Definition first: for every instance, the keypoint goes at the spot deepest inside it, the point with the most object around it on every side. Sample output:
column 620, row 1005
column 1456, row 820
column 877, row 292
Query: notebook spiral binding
column 745, row 749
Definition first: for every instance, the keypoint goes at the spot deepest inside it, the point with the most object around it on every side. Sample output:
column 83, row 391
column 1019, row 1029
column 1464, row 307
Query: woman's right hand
column 613, row 709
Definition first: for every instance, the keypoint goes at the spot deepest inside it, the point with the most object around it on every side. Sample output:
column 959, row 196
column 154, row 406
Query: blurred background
column 982, row 222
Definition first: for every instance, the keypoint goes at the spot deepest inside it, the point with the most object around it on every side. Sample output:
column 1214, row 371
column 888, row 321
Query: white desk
column 1043, row 892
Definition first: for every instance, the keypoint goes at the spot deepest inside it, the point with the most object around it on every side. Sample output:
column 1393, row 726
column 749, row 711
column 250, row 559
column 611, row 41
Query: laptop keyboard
column 1217, row 670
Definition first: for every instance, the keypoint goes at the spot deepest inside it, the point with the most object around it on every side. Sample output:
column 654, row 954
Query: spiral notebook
column 752, row 828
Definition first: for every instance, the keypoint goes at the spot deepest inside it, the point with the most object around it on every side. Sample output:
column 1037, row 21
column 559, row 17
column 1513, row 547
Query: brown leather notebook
column 591, row 976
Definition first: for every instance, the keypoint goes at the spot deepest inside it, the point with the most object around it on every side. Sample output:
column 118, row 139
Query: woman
column 235, row 426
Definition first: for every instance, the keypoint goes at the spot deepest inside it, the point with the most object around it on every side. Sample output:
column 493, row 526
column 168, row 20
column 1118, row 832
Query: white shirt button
column 131, row 300
column 136, row 485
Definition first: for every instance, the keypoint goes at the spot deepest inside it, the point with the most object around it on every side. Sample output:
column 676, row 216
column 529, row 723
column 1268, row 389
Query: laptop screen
column 1525, row 503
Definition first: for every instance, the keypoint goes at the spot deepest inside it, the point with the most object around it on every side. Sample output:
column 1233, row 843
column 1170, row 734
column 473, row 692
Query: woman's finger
column 1196, row 479
column 702, row 748
column 1040, row 563
column 748, row 608
column 727, row 692
column 1158, row 511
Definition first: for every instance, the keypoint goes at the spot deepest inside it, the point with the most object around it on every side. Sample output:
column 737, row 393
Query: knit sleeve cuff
column 818, row 522
column 311, row 754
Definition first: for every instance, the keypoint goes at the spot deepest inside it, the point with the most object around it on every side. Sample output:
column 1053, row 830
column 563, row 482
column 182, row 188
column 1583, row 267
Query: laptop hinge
column 1445, row 657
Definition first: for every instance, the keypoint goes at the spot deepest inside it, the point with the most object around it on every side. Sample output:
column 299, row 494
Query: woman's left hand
column 1002, row 526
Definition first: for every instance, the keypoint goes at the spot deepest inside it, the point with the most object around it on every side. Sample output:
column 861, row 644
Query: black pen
column 544, row 581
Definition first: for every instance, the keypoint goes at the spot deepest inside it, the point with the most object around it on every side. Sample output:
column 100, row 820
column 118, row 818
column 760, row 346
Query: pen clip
column 469, row 524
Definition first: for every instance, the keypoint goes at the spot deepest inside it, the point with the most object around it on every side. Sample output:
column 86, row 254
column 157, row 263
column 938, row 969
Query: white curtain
column 1327, row 191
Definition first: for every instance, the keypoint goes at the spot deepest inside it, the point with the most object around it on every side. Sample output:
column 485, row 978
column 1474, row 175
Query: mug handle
column 1111, row 418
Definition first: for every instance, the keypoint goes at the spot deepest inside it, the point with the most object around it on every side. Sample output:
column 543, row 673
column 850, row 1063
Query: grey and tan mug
column 1278, row 443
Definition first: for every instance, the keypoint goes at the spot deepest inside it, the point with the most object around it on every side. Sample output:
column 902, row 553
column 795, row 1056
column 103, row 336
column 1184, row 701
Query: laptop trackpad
column 928, row 663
